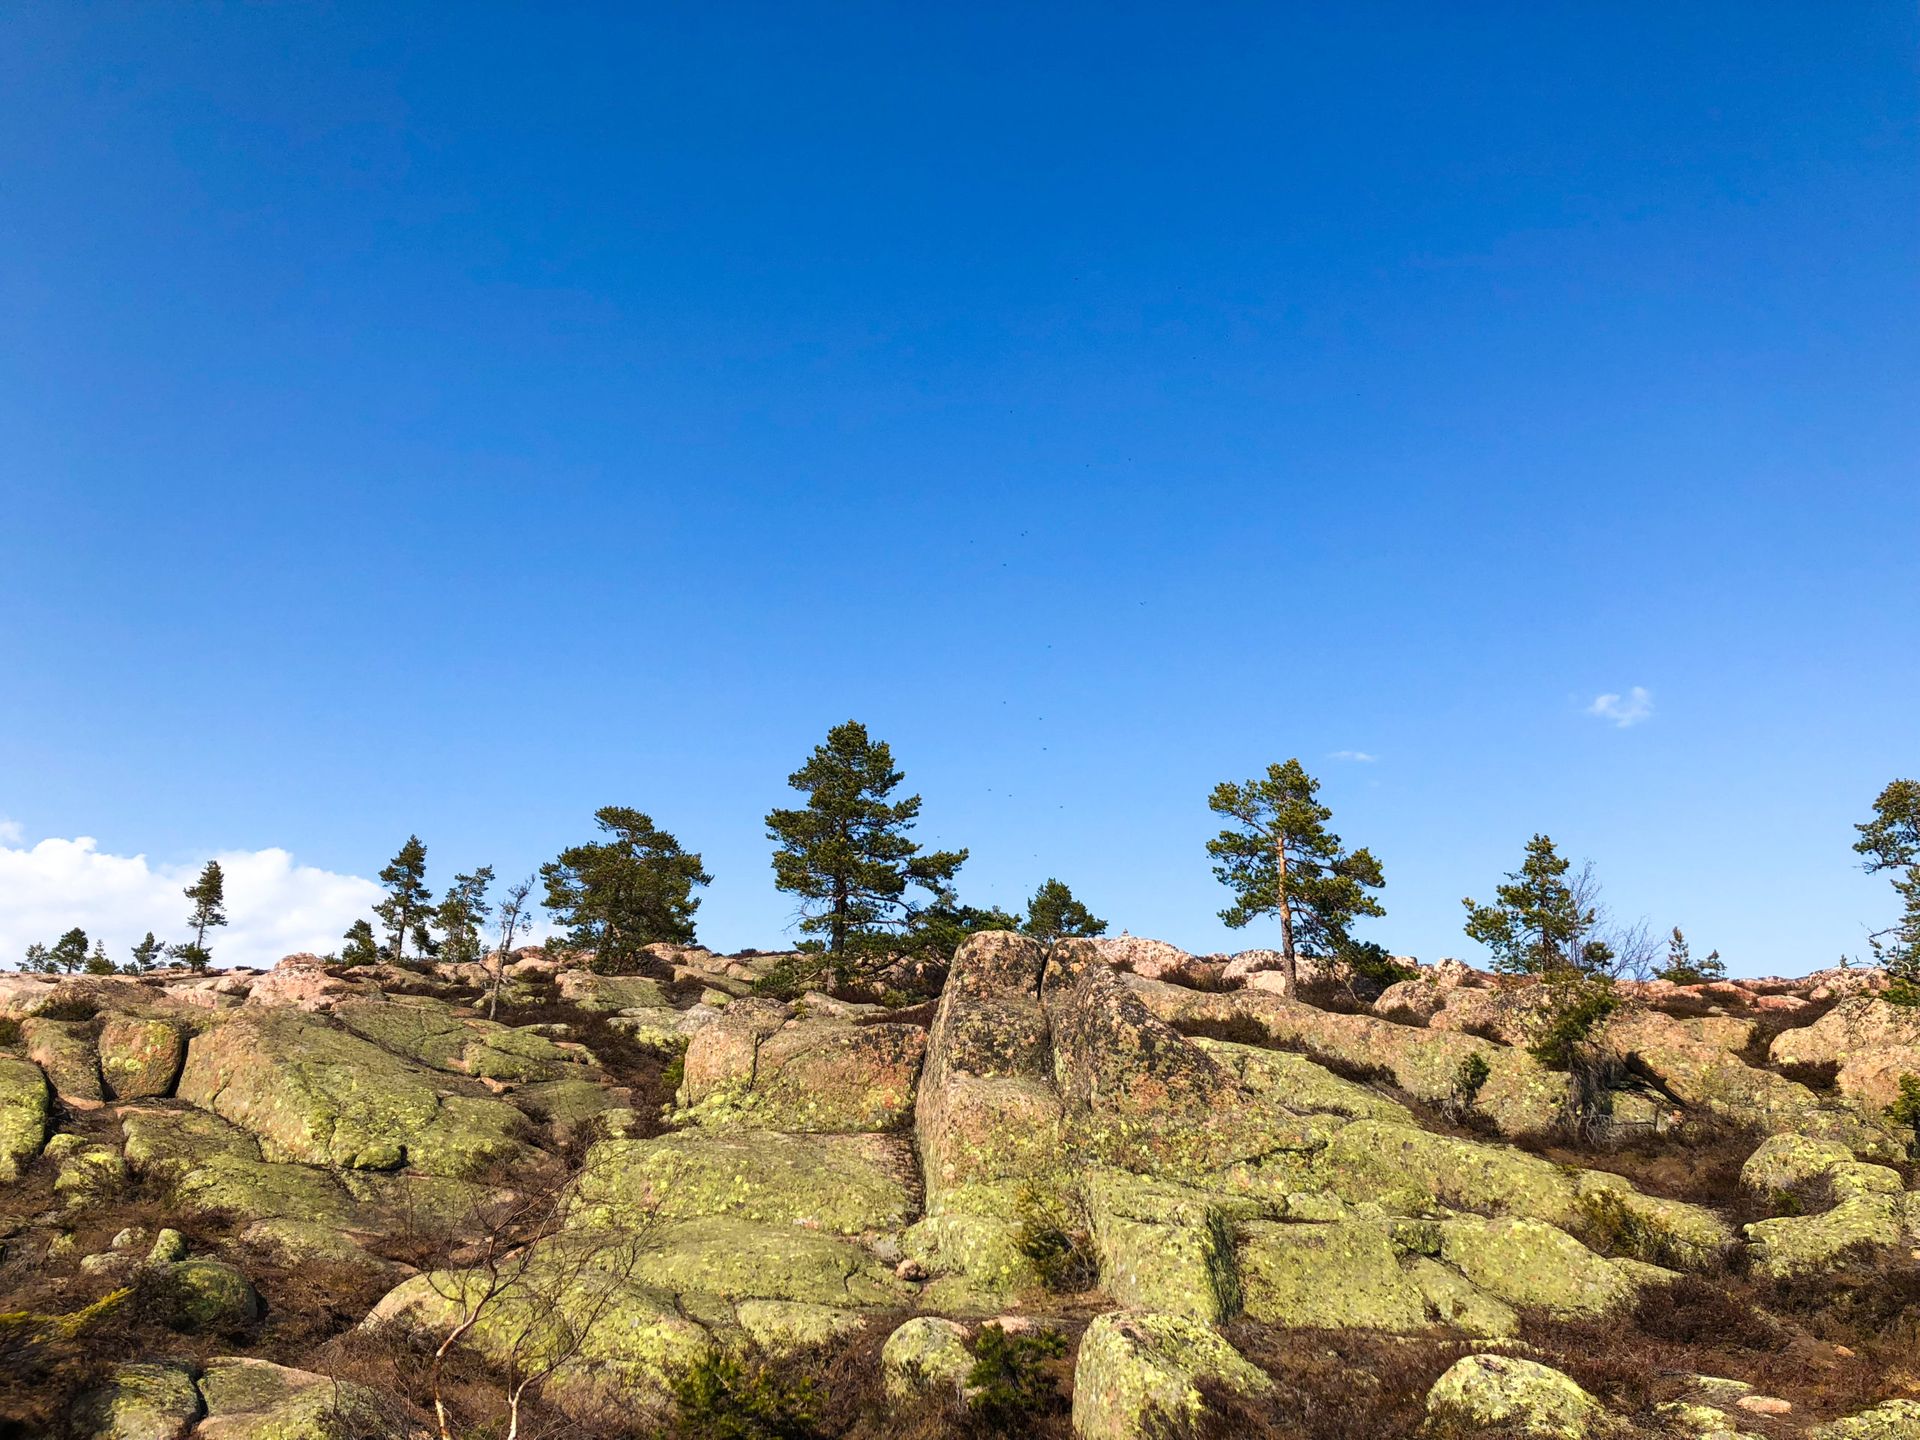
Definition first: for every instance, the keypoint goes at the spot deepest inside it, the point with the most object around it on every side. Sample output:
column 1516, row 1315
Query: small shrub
column 1901, row 991
column 1905, row 1112
column 1468, row 1078
column 9, row 1030
column 721, row 1397
column 1582, row 1006
column 1010, row 1382
column 674, row 1073
column 1057, row 1248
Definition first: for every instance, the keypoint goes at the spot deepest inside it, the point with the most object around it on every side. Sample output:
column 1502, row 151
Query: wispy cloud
column 11, row 831
column 1360, row 756
column 1622, row 711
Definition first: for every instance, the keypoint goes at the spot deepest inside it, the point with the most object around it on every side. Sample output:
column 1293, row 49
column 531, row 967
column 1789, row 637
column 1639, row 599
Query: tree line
column 869, row 897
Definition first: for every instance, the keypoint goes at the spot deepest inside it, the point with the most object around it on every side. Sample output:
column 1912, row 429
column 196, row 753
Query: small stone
column 168, row 1247
column 1765, row 1404
column 130, row 1238
column 911, row 1269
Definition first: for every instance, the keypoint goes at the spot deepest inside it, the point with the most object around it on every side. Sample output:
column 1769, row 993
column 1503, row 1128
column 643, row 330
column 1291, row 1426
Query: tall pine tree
column 1279, row 859
column 632, row 889
column 404, row 911
column 69, row 952
column 146, row 956
column 848, row 853
column 1538, row 923
column 461, row 915
column 1891, row 842
column 209, row 897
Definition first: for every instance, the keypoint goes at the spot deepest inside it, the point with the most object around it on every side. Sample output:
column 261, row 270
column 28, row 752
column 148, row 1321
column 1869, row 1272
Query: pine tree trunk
column 1290, row 965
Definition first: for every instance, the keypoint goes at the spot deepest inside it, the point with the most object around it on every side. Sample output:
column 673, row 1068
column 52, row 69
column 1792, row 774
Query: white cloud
column 1624, row 710
column 274, row 906
column 1360, row 756
column 11, row 832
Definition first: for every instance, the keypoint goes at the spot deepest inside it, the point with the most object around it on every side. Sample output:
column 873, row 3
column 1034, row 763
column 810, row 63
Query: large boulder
column 806, row 1075
column 926, row 1355
column 258, row 1400
column 203, row 1294
column 321, row 1096
column 1138, row 1375
column 610, row 993
column 138, row 1402
column 1509, row 1394
column 25, row 1107
column 140, row 1059
column 64, row 1050
column 1865, row 1206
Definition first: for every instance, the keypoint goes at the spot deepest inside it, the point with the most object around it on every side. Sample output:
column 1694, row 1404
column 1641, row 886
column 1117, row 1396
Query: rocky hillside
column 1103, row 1189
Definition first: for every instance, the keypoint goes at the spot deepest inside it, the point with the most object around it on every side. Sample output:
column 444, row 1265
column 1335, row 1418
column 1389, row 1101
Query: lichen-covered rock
column 1889, row 1420
column 1530, row 1265
column 25, row 1107
column 140, row 1059
column 138, row 1402
column 839, row 1183
column 257, row 1400
column 1869, row 1208
column 781, row 1327
column 88, row 1172
column 1488, row 1392
column 926, row 1354
column 1409, row 1170
column 1138, row 1375
column 1519, row 1095
column 64, row 1050
column 808, row 1075
column 609, row 993
column 737, row 1260
column 1344, row 1276
column 1300, row 1085
column 251, row 1190
column 431, row 1033
column 297, row 1243
column 320, row 1096
column 1166, row 1247
column 641, row 1339
column 203, row 1294
column 168, row 1143
column 1708, row 1077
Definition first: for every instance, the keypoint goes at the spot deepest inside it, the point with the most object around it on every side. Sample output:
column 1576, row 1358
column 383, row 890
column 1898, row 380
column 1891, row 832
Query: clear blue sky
column 451, row 419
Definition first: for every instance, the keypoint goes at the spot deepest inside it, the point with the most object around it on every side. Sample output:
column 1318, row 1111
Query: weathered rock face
column 1871, row 1042
column 24, row 1108
column 320, row 1096
column 1138, row 1375
column 64, row 1050
column 752, row 1070
column 1504, row 1392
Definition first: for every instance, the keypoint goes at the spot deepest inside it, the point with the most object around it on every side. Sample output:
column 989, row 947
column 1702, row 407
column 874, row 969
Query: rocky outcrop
column 320, row 1096
column 749, row 1069
column 1871, row 1043
column 1138, row 1375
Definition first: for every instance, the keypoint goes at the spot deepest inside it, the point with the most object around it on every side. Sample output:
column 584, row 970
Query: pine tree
column 209, row 897
column 97, row 961
column 1891, row 841
column 404, row 910
column 633, row 889
column 1539, row 924
column 358, row 946
column 1280, row 859
column 1680, row 967
column 848, row 853
column 461, row 915
column 146, row 956
column 69, row 953
column 1053, row 914
column 39, row 959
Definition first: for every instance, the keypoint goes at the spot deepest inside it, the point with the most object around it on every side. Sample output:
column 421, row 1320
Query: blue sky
column 449, row 420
